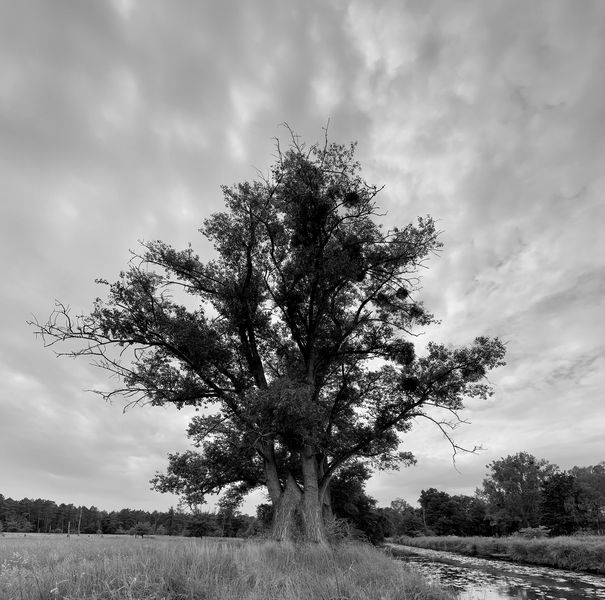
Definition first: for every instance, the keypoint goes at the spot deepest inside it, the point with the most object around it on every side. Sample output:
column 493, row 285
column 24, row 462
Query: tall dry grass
column 53, row 568
column 585, row 553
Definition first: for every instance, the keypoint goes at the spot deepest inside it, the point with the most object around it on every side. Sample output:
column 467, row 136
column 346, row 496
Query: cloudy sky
column 119, row 120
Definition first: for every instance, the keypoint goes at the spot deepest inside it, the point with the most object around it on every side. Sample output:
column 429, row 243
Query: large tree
column 452, row 515
column 590, row 482
column 295, row 342
column 513, row 490
column 560, row 504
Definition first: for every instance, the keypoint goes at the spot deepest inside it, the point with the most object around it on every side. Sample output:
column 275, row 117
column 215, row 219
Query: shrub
column 530, row 533
column 141, row 529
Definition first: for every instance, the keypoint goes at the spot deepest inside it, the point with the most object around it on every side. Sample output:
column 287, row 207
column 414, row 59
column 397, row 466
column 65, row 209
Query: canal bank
column 585, row 553
column 474, row 578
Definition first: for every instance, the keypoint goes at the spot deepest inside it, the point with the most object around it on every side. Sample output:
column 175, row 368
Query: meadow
column 582, row 553
column 47, row 567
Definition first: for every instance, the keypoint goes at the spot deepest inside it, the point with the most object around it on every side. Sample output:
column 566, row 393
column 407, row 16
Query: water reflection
column 482, row 579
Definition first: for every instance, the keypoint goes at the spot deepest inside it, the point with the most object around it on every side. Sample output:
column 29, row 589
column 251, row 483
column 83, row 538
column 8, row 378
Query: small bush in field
column 141, row 529
column 530, row 533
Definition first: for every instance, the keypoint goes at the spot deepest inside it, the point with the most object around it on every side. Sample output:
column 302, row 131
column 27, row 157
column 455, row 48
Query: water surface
column 483, row 579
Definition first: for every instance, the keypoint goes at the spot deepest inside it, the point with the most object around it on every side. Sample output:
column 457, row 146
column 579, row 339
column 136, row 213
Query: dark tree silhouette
column 560, row 504
column 299, row 343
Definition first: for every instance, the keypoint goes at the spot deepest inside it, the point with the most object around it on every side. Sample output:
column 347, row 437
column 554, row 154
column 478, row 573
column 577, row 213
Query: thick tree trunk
column 312, row 517
column 285, row 512
column 271, row 476
column 297, row 514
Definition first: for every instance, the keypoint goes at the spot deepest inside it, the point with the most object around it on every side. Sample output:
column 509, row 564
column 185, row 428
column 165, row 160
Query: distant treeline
column 355, row 510
column 520, row 494
column 45, row 516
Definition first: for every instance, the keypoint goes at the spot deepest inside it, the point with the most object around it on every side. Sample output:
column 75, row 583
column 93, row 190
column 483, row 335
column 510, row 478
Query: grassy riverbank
column 575, row 553
column 53, row 568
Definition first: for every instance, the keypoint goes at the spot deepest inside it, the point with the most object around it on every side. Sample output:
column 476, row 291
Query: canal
column 483, row 579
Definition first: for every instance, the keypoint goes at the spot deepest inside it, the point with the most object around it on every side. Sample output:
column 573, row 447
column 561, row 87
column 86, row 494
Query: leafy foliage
column 443, row 514
column 402, row 519
column 512, row 490
column 560, row 504
column 591, row 497
column 351, row 502
column 522, row 491
column 142, row 529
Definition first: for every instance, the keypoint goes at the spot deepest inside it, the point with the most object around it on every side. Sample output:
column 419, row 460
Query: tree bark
column 326, row 506
column 312, row 514
column 325, row 496
column 298, row 513
column 271, row 475
column 285, row 512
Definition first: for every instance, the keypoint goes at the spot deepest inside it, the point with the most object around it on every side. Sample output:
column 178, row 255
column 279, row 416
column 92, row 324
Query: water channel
column 483, row 579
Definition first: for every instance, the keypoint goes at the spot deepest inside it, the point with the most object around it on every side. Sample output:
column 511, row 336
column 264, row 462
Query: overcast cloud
column 120, row 120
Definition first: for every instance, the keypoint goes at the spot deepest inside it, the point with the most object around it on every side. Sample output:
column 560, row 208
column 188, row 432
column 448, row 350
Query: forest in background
column 519, row 493
column 45, row 516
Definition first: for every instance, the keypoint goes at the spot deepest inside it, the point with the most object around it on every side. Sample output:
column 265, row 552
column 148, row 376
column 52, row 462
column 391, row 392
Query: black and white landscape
column 119, row 122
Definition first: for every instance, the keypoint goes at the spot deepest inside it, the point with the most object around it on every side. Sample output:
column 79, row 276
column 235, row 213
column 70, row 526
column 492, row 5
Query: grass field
column 39, row 567
column 575, row 553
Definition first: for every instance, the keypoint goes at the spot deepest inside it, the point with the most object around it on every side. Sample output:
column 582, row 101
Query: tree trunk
column 312, row 517
column 271, row 476
column 298, row 513
column 325, row 495
column 326, row 506
column 285, row 512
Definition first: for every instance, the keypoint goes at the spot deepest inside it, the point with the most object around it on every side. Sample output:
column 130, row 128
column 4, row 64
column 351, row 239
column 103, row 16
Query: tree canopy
column 513, row 490
column 443, row 514
column 296, row 340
